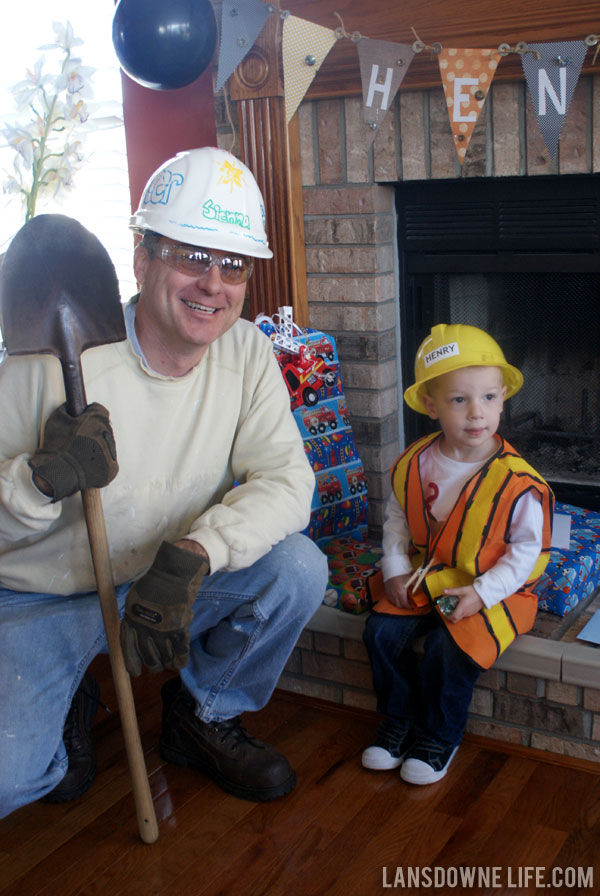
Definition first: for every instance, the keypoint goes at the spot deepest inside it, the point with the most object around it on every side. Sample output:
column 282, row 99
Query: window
column 100, row 197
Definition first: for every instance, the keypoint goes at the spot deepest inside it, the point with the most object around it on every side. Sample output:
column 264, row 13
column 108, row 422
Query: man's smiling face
column 182, row 313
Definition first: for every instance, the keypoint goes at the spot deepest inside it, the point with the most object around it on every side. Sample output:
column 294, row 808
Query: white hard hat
column 205, row 197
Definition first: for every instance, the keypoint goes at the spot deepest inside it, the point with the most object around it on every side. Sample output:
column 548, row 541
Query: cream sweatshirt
column 181, row 444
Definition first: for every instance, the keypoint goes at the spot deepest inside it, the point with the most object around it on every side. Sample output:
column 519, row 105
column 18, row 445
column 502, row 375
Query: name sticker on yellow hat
column 438, row 354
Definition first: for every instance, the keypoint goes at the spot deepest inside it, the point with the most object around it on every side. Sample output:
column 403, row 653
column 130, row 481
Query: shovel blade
column 55, row 271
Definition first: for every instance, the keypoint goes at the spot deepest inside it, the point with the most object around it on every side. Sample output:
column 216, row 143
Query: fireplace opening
column 521, row 259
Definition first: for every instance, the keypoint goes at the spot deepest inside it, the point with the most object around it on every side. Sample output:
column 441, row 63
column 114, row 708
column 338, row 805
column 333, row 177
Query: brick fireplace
column 545, row 692
column 350, row 227
column 520, row 258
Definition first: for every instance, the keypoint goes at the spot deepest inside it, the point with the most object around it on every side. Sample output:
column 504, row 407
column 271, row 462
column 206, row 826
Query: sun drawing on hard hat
column 231, row 174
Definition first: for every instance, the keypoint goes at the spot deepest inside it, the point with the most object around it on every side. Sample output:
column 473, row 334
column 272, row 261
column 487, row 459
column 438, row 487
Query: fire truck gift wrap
column 309, row 364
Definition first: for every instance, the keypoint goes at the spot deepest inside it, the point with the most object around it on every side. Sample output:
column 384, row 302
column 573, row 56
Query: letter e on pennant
column 466, row 78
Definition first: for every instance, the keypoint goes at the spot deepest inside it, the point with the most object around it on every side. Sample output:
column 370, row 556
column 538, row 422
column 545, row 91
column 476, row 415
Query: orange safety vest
column 470, row 541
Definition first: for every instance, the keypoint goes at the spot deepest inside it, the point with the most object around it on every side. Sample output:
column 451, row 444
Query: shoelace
column 433, row 750
column 231, row 729
column 390, row 735
column 432, row 746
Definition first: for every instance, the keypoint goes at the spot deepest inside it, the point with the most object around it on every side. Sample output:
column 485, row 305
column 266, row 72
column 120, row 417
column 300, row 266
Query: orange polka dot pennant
column 304, row 46
column 467, row 75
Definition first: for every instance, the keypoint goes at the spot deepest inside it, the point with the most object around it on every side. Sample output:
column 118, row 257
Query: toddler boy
column 466, row 535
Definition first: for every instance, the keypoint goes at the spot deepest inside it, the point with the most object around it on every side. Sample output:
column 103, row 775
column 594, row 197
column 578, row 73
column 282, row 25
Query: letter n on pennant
column 552, row 71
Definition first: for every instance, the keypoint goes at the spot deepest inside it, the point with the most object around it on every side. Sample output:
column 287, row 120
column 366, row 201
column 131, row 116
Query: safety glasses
column 233, row 269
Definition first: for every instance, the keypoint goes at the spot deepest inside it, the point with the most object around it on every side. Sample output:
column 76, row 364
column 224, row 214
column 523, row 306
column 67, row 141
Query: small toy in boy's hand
column 447, row 603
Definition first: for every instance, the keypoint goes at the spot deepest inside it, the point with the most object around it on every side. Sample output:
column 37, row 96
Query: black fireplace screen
column 542, row 306
column 548, row 325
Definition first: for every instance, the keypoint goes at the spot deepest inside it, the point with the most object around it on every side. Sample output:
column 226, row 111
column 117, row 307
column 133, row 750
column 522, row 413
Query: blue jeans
column 245, row 626
column 432, row 694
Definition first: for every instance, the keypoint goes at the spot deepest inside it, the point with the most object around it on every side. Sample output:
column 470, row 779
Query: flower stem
column 37, row 167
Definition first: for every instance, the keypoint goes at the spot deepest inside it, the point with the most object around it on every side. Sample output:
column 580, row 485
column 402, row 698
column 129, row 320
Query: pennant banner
column 383, row 66
column 466, row 77
column 241, row 23
column 304, row 47
column 552, row 71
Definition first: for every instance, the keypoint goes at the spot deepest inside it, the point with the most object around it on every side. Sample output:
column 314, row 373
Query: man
column 201, row 509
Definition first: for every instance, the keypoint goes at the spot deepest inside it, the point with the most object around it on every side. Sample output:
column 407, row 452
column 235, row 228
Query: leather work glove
column 158, row 611
column 79, row 452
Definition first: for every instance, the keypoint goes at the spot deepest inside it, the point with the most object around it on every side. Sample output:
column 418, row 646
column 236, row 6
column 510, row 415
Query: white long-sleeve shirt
column 443, row 478
column 181, row 442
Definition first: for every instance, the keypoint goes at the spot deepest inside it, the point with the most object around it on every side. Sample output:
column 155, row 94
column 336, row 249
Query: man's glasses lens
column 233, row 268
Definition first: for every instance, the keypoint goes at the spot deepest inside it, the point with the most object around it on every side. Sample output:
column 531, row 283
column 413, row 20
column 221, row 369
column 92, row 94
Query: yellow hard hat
column 452, row 346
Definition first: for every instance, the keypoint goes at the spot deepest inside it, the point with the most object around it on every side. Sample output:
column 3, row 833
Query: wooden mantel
column 453, row 23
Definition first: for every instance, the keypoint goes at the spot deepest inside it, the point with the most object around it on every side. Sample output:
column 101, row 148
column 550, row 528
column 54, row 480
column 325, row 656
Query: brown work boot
column 239, row 763
column 77, row 737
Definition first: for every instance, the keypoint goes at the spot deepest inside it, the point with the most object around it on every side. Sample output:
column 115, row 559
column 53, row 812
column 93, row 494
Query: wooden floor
column 342, row 831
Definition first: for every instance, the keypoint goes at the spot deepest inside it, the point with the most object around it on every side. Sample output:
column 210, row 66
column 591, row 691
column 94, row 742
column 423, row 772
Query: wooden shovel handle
column 94, row 518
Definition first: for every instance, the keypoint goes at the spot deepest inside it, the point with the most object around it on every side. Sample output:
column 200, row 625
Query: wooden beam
column 272, row 152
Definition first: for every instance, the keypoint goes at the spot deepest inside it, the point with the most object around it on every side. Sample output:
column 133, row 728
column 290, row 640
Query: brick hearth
column 543, row 692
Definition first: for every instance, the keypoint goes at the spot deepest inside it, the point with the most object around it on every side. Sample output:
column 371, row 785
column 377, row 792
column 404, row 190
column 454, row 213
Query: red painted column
column 161, row 123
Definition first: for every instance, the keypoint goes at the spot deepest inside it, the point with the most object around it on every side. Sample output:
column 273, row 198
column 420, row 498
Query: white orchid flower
column 36, row 127
column 75, row 78
column 64, row 37
column 20, row 139
column 76, row 111
column 11, row 185
column 29, row 90
column 61, row 175
column 74, row 151
column 46, row 153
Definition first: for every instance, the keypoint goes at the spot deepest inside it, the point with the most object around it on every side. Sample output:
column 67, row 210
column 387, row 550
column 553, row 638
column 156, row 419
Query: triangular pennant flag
column 466, row 77
column 304, row 47
column 241, row 23
column 383, row 66
column 552, row 72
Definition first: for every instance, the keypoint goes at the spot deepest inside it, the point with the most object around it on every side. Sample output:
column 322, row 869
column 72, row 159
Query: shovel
column 59, row 294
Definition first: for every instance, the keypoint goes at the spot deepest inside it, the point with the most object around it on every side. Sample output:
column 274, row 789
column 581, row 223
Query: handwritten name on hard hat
column 214, row 212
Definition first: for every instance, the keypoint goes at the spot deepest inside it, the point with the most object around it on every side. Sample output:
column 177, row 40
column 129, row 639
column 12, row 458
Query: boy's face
column 468, row 403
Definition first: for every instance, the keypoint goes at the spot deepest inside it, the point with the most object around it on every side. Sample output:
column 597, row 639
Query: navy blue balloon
column 164, row 44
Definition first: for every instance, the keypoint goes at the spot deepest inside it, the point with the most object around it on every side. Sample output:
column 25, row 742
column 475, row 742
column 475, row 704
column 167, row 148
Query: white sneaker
column 389, row 748
column 379, row 759
column 426, row 762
